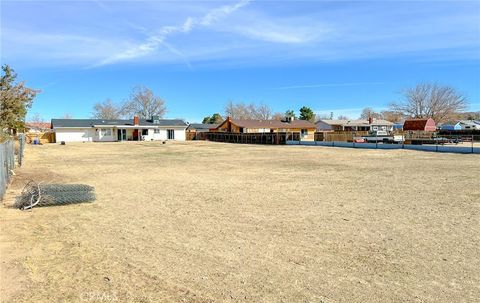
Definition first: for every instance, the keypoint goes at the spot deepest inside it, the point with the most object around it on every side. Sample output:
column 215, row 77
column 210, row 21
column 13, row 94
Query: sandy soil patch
column 213, row 222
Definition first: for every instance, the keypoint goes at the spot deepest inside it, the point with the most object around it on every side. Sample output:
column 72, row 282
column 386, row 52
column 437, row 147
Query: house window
column 144, row 132
column 304, row 132
column 105, row 132
column 170, row 134
column 156, row 131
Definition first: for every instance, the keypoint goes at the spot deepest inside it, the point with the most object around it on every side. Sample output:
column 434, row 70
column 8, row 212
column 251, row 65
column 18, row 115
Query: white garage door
column 74, row 135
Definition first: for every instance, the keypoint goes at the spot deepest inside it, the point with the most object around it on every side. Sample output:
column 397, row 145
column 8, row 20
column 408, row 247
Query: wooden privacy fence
column 45, row 137
column 191, row 135
column 344, row 136
column 250, row 138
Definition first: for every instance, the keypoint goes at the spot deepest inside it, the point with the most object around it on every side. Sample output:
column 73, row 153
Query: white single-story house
column 354, row 125
column 467, row 125
column 103, row 130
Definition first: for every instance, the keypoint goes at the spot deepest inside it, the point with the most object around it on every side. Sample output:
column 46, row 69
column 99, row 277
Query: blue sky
column 335, row 56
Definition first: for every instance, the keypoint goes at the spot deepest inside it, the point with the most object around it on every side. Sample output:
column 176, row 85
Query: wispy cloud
column 155, row 41
column 278, row 33
column 98, row 33
column 328, row 85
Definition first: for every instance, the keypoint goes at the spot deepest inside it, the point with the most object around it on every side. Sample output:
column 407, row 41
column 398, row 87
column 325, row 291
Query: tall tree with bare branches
column 427, row 100
column 144, row 103
column 241, row 110
column 262, row 112
column 369, row 112
column 106, row 110
column 278, row 116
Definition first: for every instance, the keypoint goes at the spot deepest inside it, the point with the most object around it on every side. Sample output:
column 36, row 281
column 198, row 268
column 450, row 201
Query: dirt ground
column 213, row 222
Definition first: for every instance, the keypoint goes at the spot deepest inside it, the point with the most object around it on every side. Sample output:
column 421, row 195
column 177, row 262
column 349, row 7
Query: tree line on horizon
column 443, row 103
column 426, row 100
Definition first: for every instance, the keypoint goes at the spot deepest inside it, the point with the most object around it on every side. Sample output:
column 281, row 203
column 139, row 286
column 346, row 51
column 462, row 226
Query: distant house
column 427, row 125
column 467, row 125
column 449, row 127
column 398, row 126
column 305, row 128
column 354, row 125
column 195, row 130
column 37, row 127
column 102, row 130
column 200, row 127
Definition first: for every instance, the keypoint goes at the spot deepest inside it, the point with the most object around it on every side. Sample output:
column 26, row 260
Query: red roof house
column 427, row 125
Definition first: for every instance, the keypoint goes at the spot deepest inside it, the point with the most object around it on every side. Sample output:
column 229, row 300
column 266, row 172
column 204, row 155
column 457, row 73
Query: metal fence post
column 472, row 144
column 2, row 170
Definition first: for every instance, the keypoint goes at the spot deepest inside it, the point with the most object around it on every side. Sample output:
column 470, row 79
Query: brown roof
column 415, row 124
column 273, row 124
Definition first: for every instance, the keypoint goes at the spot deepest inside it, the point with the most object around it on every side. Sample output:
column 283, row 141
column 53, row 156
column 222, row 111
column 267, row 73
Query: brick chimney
column 136, row 120
column 370, row 120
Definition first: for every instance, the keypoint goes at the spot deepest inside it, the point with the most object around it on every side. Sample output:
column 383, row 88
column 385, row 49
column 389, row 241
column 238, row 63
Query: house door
column 135, row 135
column 170, row 134
column 122, row 135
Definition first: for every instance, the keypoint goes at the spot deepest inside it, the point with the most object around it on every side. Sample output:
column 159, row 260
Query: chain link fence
column 465, row 144
column 7, row 161
column 21, row 148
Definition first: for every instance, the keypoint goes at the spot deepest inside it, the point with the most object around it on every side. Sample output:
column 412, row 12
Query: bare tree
column 106, row 110
column 237, row 110
column 144, row 103
column 67, row 116
column 241, row 110
column 469, row 116
column 428, row 100
column 391, row 116
column 322, row 116
column 278, row 116
column 36, row 119
column 262, row 112
column 342, row 117
column 368, row 112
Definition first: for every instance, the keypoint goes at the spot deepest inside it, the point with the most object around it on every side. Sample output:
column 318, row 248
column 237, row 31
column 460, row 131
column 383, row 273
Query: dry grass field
column 213, row 222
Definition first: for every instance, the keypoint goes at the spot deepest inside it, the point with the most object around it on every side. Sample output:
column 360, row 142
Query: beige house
column 354, row 125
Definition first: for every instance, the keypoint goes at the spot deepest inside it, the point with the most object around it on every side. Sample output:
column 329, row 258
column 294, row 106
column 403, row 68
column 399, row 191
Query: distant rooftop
column 356, row 122
column 202, row 126
column 250, row 123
